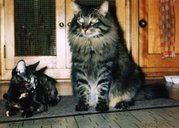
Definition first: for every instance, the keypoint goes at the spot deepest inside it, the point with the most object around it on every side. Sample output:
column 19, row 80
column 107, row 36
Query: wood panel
column 150, row 58
column 153, row 28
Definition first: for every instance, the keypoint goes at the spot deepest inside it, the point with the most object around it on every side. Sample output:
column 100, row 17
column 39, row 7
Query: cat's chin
column 87, row 35
column 90, row 36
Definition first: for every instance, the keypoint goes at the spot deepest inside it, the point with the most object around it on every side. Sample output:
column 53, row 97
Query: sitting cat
column 30, row 91
column 103, row 73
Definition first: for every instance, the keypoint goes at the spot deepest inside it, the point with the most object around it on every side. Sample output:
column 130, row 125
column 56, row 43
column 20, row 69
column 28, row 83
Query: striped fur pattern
column 103, row 74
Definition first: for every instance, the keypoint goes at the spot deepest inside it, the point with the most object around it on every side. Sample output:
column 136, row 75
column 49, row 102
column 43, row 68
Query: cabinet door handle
column 142, row 23
column 68, row 24
column 61, row 24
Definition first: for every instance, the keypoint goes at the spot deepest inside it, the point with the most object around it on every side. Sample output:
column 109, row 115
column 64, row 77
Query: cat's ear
column 104, row 8
column 76, row 7
column 42, row 70
column 21, row 66
column 33, row 66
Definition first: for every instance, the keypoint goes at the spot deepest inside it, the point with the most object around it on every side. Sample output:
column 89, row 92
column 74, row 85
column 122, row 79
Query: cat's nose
column 85, row 29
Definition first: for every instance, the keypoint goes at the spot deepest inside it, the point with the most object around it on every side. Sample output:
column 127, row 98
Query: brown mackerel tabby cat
column 103, row 73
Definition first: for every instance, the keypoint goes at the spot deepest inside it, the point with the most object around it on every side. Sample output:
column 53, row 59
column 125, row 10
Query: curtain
column 167, row 27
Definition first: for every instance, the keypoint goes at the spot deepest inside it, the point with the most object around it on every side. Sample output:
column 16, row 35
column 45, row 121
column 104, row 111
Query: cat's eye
column 94, row 22
column 80, row 21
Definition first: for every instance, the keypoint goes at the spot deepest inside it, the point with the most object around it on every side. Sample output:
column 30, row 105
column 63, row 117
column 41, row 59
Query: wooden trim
column 9, row 33
column 154, row 73
column 128, row 24
column 60, row 33
column 1, row 7
column 2, row 35
column 69, row 15
column 143, row 14
column 123, row 14
column 135, row 30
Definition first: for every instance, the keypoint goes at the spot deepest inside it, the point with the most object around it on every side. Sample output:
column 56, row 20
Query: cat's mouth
column 25, row 86
column 88, row 33
column 29, row 86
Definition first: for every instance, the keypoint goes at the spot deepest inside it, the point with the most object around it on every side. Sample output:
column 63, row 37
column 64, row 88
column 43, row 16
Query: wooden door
column 55, row 54
column 150, row 58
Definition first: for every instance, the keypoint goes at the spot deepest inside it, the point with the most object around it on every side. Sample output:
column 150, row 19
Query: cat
column 103, row 73
column 19, row 89
column 30, row 91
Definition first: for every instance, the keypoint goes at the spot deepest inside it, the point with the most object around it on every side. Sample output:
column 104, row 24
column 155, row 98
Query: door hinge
column 4, row 51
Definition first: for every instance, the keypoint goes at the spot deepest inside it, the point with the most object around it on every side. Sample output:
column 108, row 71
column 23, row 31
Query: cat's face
column 24, row 76
column 90, row 22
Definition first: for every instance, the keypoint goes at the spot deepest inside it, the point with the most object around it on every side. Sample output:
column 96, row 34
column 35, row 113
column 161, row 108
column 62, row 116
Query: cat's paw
column 11, row 112
column 102, row 107
column 124, row 105
column 42, row 108
column 82, row 107
column 27, row 114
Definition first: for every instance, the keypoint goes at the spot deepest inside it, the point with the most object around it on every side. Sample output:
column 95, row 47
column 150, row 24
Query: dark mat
column 66, row 107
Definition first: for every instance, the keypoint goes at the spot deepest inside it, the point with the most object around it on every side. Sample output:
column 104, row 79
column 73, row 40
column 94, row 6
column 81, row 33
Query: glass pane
column 35, row 28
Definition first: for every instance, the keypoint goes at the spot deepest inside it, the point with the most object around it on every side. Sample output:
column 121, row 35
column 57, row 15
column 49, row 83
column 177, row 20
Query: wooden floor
column 151, row 118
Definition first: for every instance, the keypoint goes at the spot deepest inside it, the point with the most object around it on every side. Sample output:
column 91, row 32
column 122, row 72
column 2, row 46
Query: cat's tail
column 153, row 91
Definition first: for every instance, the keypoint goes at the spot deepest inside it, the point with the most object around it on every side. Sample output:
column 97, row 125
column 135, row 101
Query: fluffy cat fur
column 30, row 91
column 103, row 73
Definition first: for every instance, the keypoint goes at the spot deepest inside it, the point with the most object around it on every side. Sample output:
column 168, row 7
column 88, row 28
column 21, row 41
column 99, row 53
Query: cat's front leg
column 103, row 86
column 82, row 95
column 80, row 85
column 103, row 101
column 11, row 108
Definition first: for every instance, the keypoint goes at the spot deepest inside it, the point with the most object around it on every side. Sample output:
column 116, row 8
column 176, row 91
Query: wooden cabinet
column 143, row 43
column 147, row 39
column 59, row 61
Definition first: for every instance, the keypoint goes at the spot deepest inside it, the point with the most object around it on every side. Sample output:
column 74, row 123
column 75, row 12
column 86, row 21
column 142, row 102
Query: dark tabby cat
column 30, row 91
column 103, row 73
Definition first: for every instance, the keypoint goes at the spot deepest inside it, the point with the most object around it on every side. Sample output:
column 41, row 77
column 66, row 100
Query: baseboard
column 64, row 88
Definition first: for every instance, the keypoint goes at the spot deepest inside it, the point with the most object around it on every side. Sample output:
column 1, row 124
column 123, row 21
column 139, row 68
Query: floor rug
column 66, row 107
